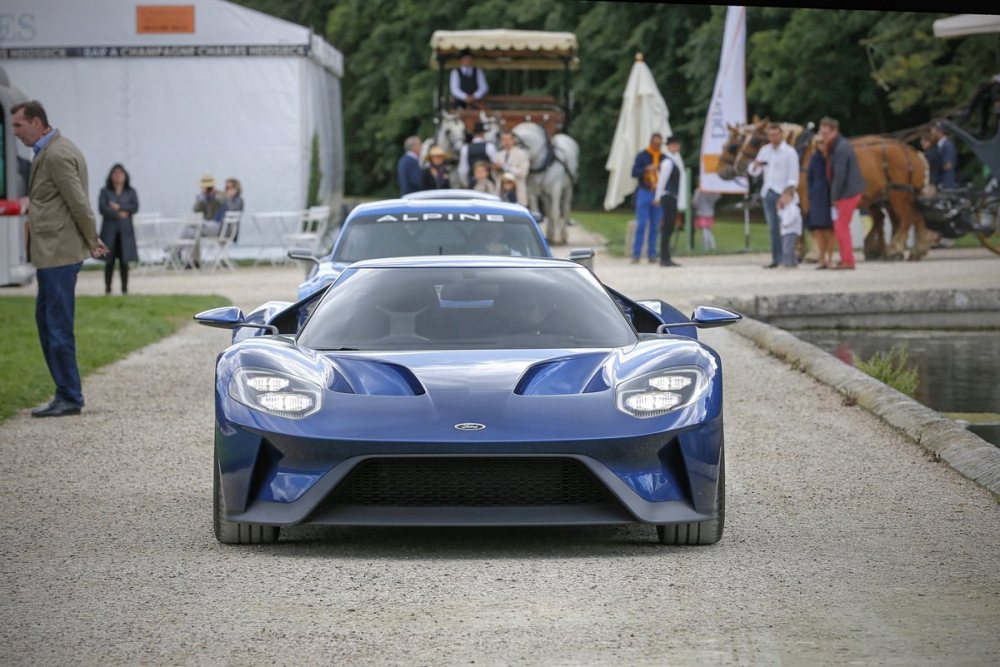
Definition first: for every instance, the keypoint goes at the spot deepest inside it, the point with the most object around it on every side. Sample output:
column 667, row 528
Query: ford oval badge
column 470, row 426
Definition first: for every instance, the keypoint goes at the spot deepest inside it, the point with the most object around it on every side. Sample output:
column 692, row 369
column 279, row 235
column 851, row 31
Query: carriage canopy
column 505, row 49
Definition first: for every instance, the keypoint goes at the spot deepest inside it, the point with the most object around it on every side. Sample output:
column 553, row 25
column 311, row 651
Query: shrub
column 893, row 368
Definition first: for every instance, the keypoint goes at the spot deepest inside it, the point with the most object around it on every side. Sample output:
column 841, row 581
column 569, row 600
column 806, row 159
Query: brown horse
column 894, row 172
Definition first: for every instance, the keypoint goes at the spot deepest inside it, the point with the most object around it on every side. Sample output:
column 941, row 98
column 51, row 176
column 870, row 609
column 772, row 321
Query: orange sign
column 164, row 19
column 710, row 163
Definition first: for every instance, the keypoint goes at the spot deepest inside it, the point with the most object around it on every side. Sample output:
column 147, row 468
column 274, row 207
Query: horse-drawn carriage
column 898, row 186
column 520, row 100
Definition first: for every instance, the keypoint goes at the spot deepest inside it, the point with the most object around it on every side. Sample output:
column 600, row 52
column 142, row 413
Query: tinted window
column 370, row 238
column 466, row 308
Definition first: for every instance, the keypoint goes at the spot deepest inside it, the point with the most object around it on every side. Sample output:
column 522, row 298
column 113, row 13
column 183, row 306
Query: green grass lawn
column 107, row 328
column 728, row 232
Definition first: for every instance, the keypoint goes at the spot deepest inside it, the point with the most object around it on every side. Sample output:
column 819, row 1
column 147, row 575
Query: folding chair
column 180, row 251
column 314, row 224
column 147, row 239
column 218, row 246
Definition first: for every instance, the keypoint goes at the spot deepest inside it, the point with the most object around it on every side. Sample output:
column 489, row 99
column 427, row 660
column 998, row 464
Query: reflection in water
column 958, row 370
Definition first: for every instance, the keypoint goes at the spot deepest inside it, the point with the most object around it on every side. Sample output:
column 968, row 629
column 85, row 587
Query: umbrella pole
column 746, row 221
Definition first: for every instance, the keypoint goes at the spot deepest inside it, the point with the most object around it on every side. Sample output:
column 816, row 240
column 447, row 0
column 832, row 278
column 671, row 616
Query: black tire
column 700, row 532
column 231, row 532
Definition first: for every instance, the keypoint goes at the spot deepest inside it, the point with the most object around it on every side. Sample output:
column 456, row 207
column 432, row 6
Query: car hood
column 503, row 394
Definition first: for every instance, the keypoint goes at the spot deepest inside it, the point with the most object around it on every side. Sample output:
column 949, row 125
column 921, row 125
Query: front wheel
column 700, row 532
column 231, row 532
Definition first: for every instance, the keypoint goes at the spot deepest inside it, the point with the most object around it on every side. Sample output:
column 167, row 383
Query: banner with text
column 729, row 104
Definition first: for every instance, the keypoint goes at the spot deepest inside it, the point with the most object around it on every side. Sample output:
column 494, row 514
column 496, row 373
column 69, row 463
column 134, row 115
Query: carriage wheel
column 990, row 239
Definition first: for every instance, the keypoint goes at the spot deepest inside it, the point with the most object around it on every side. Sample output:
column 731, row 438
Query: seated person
column 468, row 84
column 233, row 202
column 208, row 202
column 527, row 315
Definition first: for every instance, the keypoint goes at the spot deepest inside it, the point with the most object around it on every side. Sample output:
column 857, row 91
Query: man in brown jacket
column 62, row 233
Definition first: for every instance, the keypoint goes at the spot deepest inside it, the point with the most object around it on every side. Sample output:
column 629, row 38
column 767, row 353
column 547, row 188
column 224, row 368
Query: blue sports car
column 461, row 391
column 438, row 222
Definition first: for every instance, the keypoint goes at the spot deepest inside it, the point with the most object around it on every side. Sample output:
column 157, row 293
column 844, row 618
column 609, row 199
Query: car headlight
column 661, row 392
column 275, row 393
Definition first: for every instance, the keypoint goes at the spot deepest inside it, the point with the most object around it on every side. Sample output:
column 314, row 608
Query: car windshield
column 466, row 309
column 446, row 233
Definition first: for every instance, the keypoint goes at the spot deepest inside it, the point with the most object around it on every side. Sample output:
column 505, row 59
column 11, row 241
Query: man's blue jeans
column 54, row 309
column 647, row 219
column 773, row 224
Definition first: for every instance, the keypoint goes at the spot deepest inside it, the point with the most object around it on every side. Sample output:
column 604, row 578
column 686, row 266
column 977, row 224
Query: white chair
column 147, row 239
column 314, row 224
column 180, row 251
column 272, row 227
column 217, row 247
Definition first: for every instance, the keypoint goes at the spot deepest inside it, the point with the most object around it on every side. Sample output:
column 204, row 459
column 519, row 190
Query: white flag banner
column 729, row 104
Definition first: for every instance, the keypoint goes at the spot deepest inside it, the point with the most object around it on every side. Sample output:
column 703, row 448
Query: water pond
column 959, row 371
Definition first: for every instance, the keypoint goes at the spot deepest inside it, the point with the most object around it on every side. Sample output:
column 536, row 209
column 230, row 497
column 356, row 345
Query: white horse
column 554, row 167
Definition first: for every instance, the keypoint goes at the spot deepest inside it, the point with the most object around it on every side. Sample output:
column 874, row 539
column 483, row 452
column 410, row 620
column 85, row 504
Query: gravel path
column 844, row 544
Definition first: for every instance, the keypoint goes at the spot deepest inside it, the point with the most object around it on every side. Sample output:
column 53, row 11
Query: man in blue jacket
column 408, row 172
column 647, row 214
column 949, row 157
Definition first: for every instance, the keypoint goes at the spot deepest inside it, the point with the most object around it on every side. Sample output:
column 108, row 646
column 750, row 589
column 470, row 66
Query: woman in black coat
column 117, row 203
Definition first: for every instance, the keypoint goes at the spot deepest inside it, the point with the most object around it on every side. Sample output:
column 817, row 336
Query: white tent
column 176, row 90
column 643, row 112
column 966, row 24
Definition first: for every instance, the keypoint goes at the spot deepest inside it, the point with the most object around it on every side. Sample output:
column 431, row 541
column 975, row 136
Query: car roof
column 392, row 206
column 465, row 262
column 456, row 193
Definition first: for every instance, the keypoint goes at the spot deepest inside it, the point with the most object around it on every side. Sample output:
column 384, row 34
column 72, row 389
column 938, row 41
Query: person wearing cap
column 508, row 188
column 468, row 84
column 436, row 174
column 209, row 200
column 668, row 186
column 477, row 150
column 514, row 160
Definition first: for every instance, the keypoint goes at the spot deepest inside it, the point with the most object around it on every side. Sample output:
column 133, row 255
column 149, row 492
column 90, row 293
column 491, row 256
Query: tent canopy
column 158, row 28
column 967, row 24
column 505, row 49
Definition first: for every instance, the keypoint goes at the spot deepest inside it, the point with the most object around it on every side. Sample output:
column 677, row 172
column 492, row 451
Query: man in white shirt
column 513, row 159
column 780, row 164
column 667, row 189
column 479, row 150
column 468, row 84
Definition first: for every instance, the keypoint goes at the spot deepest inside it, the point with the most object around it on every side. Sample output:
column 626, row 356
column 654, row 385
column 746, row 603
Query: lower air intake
column 470, row 482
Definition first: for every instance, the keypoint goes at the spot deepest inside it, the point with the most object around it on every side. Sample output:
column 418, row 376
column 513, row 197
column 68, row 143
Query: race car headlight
column 661, row 392
column 275, row 393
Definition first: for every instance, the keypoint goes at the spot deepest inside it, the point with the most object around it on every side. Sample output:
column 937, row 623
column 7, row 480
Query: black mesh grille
column 470, row 482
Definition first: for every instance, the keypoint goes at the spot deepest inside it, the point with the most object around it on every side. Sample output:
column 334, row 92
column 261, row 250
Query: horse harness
column 883, row 194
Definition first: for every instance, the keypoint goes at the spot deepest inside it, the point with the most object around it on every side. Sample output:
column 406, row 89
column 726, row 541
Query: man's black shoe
column 45, row 406
column 669, row 263
column 770, row 266
column 56, row 408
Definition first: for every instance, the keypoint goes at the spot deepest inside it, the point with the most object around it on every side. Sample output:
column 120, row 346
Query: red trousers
column 842, row 227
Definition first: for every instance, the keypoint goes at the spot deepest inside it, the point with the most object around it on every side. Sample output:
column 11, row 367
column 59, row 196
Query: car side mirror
column 229, row 317
column 303, row 255
column 583, row 256
column 704, row 317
